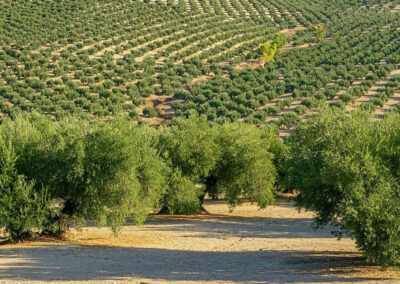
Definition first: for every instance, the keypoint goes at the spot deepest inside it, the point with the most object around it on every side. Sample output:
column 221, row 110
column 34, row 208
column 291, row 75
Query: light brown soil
column 288, row 32
column 275, row 245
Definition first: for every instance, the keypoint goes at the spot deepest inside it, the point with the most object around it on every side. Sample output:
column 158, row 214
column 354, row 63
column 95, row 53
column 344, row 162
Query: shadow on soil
column 67, row 262
column 217, row 226
column 80, row 263
column 222, row 226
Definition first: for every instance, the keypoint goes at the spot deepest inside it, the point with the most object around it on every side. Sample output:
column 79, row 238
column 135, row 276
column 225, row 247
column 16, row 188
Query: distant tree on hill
column 280, row 41
column 269, row 50
column 150, row 112
column 319, row 32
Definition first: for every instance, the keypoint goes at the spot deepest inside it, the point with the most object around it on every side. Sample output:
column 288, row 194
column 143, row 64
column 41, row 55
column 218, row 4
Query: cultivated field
column 154, row 60
column 85, row 81
column 275, row 245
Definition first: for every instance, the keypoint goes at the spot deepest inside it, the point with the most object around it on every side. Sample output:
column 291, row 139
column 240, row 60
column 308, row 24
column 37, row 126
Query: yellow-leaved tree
column 319, row 32
column 269, row 50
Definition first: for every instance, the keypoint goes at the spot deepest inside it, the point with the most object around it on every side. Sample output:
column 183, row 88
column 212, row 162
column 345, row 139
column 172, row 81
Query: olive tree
column 319, row 32
column 189, row 148
column 245, row 167
column 93, row 170
column 346, row 169
column 22, row 208
column 232, row 161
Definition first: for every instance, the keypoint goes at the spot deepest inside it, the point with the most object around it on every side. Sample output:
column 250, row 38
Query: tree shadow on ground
column 217, row 226
column 83, row 263
column 225, row 225
column 66, row 262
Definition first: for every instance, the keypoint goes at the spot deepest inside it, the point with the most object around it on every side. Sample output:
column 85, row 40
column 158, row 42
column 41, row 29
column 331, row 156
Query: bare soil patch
column 251, row 63
column 288, row 32
column 275, row 245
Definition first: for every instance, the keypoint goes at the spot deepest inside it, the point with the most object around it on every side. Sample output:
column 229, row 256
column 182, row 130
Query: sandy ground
column 275, row 245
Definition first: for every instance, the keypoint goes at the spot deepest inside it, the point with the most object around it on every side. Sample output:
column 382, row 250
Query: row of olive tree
column 53, row 174
column 346, row 169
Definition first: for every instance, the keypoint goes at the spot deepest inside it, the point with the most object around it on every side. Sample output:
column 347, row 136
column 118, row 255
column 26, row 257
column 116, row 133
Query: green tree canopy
column 98, row 171
column 319, row 32
column 269, row 50
column 245, row 167
column 346, row 169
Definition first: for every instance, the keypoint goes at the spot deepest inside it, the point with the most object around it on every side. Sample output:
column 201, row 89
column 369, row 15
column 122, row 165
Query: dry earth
column 275, row 245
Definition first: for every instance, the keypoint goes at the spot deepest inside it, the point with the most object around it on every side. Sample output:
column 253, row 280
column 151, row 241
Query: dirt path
column 275, row 245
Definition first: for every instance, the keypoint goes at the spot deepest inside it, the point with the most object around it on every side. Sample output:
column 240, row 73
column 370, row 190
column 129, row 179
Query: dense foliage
column 230, row 161
column 21, row 207
column 55, row 173
column 110, row 58
column 269, row 50
column 346, row 169
column 103, row 172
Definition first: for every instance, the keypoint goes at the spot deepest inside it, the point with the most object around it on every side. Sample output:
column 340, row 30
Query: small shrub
column 150, row 112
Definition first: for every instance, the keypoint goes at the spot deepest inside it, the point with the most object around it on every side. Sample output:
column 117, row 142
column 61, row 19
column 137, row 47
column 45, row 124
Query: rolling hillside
column 155, row 60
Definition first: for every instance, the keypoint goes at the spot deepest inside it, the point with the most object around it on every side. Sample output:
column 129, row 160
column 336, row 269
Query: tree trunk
column 163, row 211
column 61, row 221
column 203, row 210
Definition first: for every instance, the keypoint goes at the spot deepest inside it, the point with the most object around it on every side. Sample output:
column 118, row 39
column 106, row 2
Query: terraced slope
column 171, row 58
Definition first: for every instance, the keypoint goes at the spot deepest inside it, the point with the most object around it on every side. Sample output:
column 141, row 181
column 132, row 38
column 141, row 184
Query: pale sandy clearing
column 275, row 245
